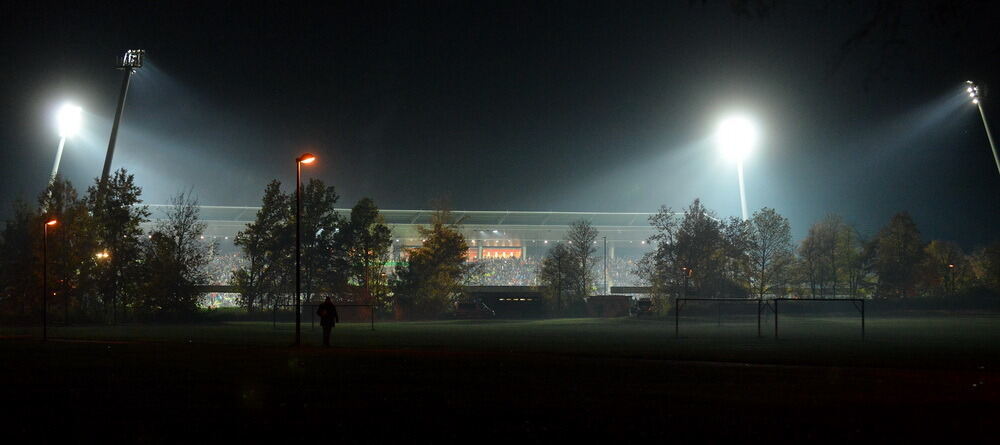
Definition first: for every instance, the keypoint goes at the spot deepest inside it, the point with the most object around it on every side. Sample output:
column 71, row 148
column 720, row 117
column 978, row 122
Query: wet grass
column 930, row 377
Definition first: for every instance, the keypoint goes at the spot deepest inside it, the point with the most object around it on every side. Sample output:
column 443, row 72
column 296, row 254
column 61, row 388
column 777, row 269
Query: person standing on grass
column 328, row 318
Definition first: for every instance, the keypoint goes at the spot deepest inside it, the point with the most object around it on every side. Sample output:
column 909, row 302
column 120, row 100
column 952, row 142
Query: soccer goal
column 712, row 308
column 794, row 305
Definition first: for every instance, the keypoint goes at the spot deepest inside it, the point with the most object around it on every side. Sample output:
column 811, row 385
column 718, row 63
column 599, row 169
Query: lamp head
column 132, row 59
column 69, row 118
column 51, row 222
column 306, row 158
column 736, row 137
column 973, row 91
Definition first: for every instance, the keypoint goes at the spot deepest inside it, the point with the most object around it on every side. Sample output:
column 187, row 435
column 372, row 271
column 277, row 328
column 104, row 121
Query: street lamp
column 951, row 279
column 69, row 118
column 130, row 62
column 973, row 91
column 45, row 278
column 306, row 158
column 736, row 137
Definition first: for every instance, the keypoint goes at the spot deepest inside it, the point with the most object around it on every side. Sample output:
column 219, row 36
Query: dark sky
column 573, row 106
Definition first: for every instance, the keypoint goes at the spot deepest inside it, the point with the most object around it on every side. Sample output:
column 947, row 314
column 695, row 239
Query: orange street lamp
column 306, row 158
column 45, row 277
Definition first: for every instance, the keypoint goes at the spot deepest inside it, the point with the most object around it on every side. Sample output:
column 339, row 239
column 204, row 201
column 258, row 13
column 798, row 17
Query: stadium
column 509, row 245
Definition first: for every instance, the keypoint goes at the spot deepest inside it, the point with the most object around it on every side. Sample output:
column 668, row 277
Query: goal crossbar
column 762, row 303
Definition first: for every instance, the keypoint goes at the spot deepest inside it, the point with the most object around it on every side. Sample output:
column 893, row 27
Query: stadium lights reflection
column 973, row 91
column 736, row 137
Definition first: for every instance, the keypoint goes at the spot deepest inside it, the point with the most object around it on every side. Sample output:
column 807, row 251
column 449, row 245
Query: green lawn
column 614, row 379
column 927, row 342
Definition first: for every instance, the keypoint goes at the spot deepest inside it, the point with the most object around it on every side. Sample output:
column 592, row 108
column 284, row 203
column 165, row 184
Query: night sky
column 507, row 106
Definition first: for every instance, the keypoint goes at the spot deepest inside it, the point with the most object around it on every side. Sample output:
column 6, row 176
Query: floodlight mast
column 973, row 91
column 130, row 62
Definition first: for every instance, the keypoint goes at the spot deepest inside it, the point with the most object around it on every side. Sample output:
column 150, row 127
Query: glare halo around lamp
column 69, row 119
column 736, row 137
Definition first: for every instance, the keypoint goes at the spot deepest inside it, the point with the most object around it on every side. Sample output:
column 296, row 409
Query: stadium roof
column 465, row 217
column 496, row 227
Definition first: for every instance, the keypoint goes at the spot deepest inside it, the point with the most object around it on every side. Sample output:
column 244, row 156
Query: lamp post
column 45, row 278
column 973, row 91
column 606, row 290
column 306, row 158
column 687, row 274
column 68, row 119
column 130, row 62
column 736, row 137
column 951, row 279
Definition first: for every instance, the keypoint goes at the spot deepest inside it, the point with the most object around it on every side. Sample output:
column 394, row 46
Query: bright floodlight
column 69, row 118
column 736, row 137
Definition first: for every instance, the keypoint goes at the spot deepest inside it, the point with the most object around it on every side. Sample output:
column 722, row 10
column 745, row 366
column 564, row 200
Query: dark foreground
column 169, row 392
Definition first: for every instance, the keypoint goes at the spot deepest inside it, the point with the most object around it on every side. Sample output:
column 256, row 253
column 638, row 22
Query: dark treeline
column 697, row 254
column 101, row 263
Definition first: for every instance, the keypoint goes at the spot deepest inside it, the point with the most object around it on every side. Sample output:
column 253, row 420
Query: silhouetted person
column 328, row 318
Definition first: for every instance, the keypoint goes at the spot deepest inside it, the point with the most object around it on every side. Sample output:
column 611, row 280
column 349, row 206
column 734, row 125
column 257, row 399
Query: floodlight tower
column 973, row 91
column 68, row 120
column 129, row 64
column 736, row 137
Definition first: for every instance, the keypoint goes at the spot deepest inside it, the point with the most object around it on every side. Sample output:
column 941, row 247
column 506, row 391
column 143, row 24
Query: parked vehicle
column 642, row 307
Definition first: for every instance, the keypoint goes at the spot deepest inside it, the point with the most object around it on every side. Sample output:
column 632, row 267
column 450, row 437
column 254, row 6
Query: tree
column 265, row 246
column 734, row 256
column 581, row 237
column 19, row 287
column 117, row 214
column 695, row 254
column 364, row 244
column 556, row 274
column 320, row 223
column 986, row 267
column 71, row 250
column 432, row 277
column 770, row 251
column 175, row 260
column 944, row 269
column 898, row 253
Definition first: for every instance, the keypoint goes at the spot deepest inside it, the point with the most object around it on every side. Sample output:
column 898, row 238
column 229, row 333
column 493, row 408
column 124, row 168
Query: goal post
column 764, row 304
column 857, row 303
column 682, row 300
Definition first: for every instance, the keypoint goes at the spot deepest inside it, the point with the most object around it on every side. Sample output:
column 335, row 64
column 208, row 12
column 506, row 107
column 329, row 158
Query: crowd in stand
column 489, row 272
column 524, row 272
column 220, row 269
column 505, row 272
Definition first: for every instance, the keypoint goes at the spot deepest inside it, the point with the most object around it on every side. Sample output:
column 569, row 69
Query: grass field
column 919, row 377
